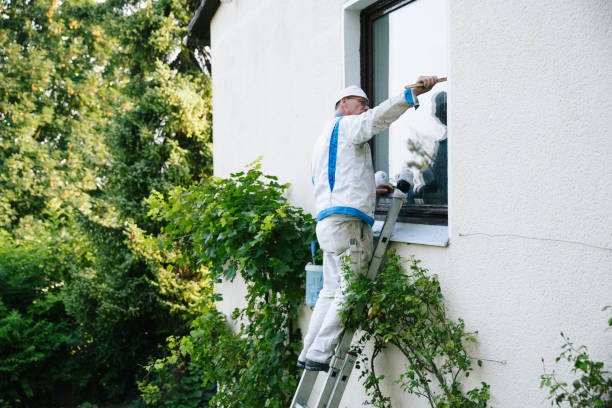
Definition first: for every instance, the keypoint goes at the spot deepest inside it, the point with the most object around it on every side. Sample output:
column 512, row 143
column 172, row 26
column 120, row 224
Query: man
column 343, row 178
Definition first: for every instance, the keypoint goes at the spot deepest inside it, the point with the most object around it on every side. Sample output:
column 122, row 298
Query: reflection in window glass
column 408, row 42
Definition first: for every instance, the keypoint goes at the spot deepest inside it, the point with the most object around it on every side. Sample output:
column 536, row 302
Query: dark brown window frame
column 411, row 213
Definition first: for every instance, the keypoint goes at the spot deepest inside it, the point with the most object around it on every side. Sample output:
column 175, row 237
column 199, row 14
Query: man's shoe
column 315, row 366
column 300, row 365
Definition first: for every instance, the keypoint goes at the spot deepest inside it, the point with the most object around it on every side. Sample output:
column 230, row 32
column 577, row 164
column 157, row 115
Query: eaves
column 198, row 30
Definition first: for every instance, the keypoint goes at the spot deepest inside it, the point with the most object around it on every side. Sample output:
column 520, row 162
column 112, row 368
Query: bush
column 592, row 388
column 239, row 225
column 405, row 309
column 187, row 376
column 37, row 337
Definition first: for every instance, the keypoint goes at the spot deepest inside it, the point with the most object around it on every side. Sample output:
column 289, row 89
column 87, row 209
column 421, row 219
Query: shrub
column 405, row 309
column 239, row 225
column 592, row 388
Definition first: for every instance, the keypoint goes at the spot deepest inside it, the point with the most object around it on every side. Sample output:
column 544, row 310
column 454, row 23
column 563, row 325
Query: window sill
column 434, row 235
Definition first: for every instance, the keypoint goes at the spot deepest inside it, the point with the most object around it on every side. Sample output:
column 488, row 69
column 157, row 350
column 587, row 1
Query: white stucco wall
column 530, row 176
column 530, row 148
column 274, row 64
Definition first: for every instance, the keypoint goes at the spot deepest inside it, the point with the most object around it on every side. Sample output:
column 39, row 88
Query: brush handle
column 441, row 79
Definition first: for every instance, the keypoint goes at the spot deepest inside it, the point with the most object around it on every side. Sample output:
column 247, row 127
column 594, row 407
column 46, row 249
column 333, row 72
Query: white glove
column 381, row 178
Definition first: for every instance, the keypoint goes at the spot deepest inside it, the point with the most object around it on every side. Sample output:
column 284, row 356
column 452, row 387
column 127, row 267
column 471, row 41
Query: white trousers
column 334, row 234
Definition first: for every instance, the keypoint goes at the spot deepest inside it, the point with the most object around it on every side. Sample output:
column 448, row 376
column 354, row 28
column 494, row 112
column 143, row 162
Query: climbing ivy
column 238, row 225
column 404, row 308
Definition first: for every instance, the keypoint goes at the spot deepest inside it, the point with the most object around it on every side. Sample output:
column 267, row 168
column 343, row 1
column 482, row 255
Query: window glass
column 402, row 41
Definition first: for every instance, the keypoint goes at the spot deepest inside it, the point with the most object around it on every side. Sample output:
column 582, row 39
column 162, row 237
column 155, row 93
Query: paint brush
column 441, row 79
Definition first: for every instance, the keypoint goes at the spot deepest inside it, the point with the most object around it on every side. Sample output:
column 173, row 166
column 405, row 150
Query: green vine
column 239, row 225
column 405, row 309
column 592, row 388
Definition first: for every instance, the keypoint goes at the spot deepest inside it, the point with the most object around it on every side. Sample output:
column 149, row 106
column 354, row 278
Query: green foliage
column 53, row 104
column 187, row 376
column 36, row 335
column 162, row 141
column 593, row 386
column 405, row 309
column 160, row 137
column 242, row 224
column 92, row 121
column 127, row 305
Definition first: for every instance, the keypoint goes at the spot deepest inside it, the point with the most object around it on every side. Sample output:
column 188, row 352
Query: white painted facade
column 530, row 162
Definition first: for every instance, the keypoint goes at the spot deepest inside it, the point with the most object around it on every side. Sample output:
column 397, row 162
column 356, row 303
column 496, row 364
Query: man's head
column 352, row 100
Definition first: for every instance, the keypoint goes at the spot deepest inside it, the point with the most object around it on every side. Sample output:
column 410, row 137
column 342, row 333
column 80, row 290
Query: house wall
column 530, row 177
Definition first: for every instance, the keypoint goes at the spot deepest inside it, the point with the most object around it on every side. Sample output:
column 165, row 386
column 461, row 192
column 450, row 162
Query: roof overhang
column 198, row 30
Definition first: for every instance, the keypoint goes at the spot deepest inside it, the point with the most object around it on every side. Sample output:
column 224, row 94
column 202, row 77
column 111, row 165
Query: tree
column 93, row 117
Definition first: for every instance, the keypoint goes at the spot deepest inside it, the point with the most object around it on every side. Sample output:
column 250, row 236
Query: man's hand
column 383, row 189
column 425, row 84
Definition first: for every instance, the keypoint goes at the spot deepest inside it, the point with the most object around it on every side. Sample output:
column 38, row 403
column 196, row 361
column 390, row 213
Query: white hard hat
column 351, row 90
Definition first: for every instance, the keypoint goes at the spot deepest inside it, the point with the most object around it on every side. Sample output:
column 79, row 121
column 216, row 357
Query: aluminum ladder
column 343, row 360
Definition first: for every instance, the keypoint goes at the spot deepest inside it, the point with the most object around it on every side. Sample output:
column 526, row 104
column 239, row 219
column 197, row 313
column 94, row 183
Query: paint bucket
column 314, row 283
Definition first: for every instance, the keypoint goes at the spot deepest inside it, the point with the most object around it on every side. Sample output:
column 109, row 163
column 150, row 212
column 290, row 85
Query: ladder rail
column 302, row 394
column 342, row 380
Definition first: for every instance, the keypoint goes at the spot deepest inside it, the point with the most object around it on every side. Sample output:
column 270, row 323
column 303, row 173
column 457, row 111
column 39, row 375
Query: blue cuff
column 410, row 98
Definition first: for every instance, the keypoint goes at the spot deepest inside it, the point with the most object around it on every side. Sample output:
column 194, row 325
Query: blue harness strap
column 331, row 178
column 333, row 154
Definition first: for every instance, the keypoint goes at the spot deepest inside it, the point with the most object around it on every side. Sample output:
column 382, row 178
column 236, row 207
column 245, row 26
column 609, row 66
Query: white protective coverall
column 345, row 194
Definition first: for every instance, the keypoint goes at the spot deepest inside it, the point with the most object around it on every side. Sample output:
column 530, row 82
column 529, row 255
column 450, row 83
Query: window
column 401, row 40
